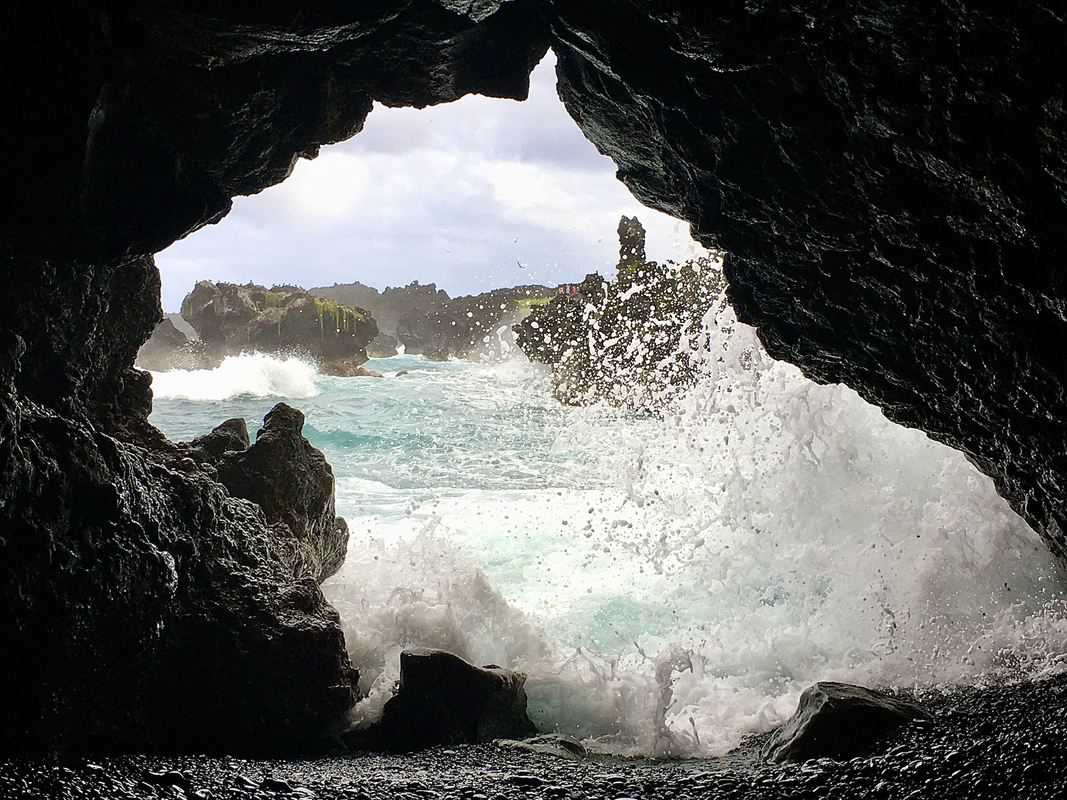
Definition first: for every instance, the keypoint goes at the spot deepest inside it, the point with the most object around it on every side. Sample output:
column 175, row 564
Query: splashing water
column 253, row 374
column 668, row 584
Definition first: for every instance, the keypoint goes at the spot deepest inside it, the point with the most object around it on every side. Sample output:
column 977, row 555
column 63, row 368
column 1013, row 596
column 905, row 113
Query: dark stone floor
column 1001, row 742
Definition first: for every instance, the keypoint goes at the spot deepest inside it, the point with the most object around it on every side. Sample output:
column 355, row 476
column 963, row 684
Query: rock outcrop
column 170, row 348
column 231, row 319
column 145, row 605
column 838, row 720
column 888, row 181
column 444, row 700
column 291, row 481
column 426, row 321
column 626, row 341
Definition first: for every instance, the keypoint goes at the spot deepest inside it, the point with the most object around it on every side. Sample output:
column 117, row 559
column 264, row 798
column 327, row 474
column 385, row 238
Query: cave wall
column 887, row 178
column 889, row 181
column 145, row 605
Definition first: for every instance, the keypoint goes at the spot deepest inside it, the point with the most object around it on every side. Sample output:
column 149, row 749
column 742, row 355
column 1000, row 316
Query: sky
column 472, row 195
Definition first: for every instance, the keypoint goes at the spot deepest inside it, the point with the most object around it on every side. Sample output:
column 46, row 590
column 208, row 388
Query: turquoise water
column 669, row 584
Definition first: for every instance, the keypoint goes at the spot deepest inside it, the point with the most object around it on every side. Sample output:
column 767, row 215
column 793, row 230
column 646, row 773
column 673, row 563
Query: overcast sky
column 460, row 194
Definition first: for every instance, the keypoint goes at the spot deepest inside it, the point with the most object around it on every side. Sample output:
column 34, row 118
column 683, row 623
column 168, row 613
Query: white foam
column 768, row 533
column 249, row 374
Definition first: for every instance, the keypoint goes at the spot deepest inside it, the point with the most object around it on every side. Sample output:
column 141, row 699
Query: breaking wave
column 249, row 374
column 669, row 584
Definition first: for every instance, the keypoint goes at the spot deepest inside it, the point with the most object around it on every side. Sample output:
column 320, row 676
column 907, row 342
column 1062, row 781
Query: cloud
column 476, row 194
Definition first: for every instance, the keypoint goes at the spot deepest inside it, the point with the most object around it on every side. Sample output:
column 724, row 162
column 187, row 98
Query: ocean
column 671, row 581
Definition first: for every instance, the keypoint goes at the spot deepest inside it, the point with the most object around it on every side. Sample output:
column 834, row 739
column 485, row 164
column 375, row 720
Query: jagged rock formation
column 144, row 605
column 232, row 319
column 887, row 179
column 622, row 340
column 287, row 478
column 426, row 321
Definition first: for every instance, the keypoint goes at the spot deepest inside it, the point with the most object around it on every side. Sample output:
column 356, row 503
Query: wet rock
column 293, row 484
column 167, row 778
column 553, row 744
column 838, row 720
column 442, row 699
column 153, row 580
column 347, row 369
column 244, row 783
column 230, row 436
column 649, row 303
column 149, row 606
column 275, row 785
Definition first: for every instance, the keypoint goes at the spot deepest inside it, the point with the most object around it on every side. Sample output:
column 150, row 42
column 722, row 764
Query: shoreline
column 1006, row 741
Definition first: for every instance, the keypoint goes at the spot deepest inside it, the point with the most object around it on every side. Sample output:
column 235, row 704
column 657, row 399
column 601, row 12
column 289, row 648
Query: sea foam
column 248, row 374
column 671, row 582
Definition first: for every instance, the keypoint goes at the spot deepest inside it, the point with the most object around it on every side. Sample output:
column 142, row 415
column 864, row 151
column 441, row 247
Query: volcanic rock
column 889, row 183
column 291, row 481
column 230, row 436
column 232, row 319
column 620, row 341
column 443, row 699
column 838, row 720
column 426, row 321
column 887, row 179
column 148, row 606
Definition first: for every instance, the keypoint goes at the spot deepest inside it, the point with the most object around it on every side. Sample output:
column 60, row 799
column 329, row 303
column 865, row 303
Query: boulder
column 443, row 699
column 838, row 720
column 293, row 484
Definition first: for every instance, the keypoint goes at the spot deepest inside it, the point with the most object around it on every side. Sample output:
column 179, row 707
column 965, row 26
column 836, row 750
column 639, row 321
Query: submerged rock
column 838, row 720
column 442, row 699
column 293, row 484
column 347, row 369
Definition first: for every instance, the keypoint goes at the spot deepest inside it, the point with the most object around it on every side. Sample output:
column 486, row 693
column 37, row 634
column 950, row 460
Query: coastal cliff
column 627, row 341
column 424, row 320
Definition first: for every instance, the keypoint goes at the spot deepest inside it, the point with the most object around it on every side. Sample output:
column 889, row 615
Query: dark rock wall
column 889, row 181
column 143, row 121
column 144, row 605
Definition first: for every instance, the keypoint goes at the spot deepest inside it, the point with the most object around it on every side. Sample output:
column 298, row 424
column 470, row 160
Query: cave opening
column 666, row 556
column 668, row 571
